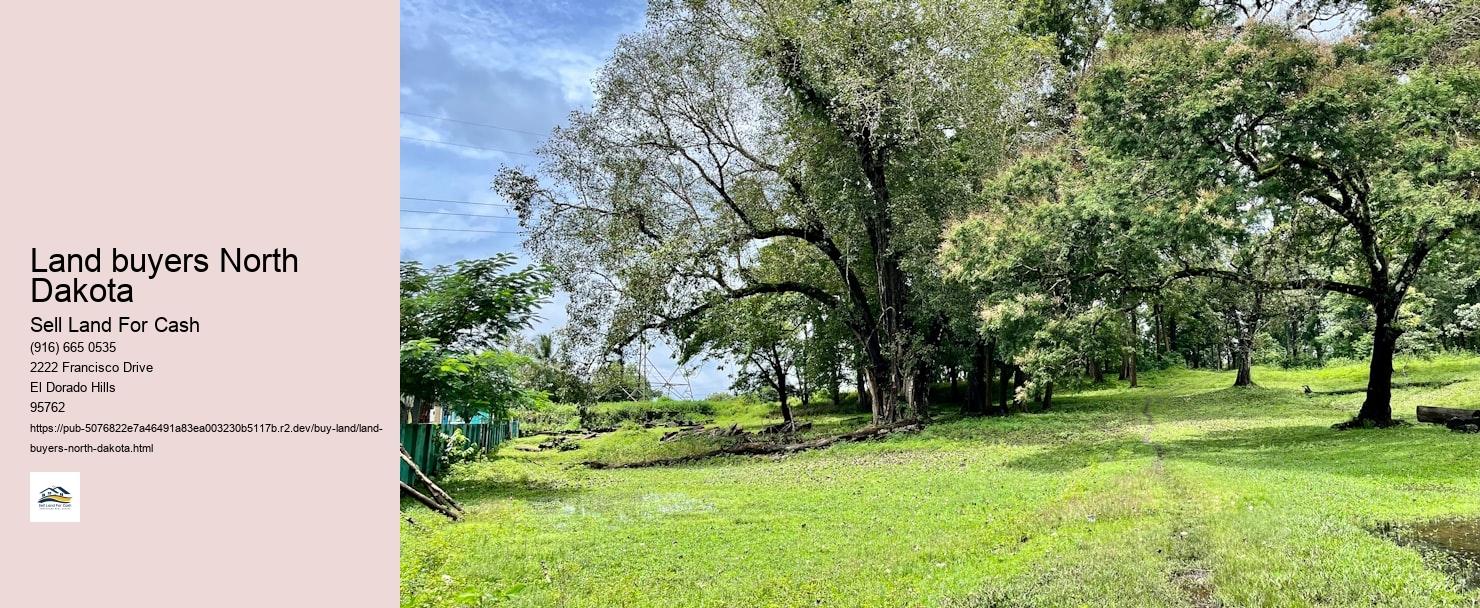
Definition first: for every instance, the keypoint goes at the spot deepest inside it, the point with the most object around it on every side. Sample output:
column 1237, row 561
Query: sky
column 482, row 83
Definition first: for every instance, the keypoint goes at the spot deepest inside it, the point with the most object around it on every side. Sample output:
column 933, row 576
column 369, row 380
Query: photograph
column 934, row 303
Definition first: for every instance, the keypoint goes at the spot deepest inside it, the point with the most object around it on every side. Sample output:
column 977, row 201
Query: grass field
column 1183, row 492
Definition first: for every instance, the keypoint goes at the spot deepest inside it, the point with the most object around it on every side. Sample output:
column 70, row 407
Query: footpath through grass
column 1184, row 492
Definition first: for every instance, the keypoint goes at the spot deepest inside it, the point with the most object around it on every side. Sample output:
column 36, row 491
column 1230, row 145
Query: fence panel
column 424, row 443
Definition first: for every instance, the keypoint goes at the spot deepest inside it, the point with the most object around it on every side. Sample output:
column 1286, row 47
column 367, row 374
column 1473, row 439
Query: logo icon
column 55, row 497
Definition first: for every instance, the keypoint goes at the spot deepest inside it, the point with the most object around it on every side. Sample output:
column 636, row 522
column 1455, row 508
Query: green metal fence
column 424, row 443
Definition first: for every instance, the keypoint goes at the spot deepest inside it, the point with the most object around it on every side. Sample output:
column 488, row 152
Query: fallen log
column 437, row 492
column 1396, row 386
column 690, row 431
column 1453, row 418
column 579, row 432
column 760, row 448
column 1445, row 414
column 430, row 504
column 555, row 442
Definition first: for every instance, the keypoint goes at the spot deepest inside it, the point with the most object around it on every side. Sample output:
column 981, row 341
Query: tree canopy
column 1039, row 188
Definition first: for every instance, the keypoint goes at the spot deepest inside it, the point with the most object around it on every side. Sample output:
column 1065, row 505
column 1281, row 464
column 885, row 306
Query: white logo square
column 54, row 497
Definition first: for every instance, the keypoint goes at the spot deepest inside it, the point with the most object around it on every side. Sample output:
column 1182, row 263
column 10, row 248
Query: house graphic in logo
column 55, row 497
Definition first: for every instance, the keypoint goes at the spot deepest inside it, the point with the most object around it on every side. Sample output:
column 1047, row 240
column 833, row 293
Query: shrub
column 606, row 415
column 555, row 417
column 458, row 448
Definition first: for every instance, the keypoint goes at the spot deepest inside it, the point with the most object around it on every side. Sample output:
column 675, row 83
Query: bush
column 562, row 417
column 555, row 417
column 457, row 448
column 606, row 415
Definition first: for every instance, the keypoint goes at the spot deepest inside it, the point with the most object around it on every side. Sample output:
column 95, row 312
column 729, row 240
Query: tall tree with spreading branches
column 725, row 125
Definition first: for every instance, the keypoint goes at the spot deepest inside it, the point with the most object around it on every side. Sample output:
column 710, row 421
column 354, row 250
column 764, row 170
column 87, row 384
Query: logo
column 55, row 497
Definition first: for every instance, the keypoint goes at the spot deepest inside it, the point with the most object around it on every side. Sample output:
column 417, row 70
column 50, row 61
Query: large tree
column 845, row 127
column 1366, row 152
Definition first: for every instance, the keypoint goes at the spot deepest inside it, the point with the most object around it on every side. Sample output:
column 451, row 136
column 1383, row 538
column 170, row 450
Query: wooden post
column 442, row 497
column 431, row 504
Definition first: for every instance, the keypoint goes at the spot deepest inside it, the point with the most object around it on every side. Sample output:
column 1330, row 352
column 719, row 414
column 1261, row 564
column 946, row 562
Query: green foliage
column 552, row 370
column 559, row 417
column 640, row 412
column 1067, row 508
column 457, row 448
column 468, row 384
column 614, row 381
column 551, row 417
column 451, row 318
column 865, row 124
column 471, row 305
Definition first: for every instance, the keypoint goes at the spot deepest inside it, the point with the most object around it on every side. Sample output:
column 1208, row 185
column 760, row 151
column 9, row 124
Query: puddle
column 1451, row 545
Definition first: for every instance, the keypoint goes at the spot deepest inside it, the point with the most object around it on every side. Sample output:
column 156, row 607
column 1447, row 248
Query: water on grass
column 1451, row 544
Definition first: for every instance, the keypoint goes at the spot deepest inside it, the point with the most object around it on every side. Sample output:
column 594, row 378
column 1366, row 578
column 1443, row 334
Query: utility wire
column 476, row 124
column 447, row 143
column 443, row 200
column 457, row 214
column 460, row 230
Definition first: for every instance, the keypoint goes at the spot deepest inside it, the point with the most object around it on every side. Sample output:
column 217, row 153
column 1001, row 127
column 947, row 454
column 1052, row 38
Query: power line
column 448, row 143
column 476, row 124
column 443, row 200
column 460, row 230
column 457, row 214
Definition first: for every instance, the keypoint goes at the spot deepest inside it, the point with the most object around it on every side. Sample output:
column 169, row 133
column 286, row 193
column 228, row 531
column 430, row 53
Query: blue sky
column 521, row 66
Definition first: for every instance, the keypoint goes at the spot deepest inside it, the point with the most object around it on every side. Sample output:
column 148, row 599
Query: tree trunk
column 781, row 393
column 1245, row 328
column 919, row 394
column 1018, row 380
column 1292, row 356
column 1096, row 373
column 1378, row 408
column 1135, row 346
column 883, row 400
column 1161, row 335
column 865, row 403
column 986, row 377
column 1003, row 384
column 835, row 380
column 1132, row 370
column 1048, row 395
column 955, row 390
column 1171, row 332
column 976, row 393
column 919, row 376
column 1245, row 377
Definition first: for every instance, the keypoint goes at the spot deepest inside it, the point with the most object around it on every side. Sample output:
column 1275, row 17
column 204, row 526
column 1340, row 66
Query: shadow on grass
column 1075, row 455
column 502, row 477
column 1416, row 454
column 1409, row 453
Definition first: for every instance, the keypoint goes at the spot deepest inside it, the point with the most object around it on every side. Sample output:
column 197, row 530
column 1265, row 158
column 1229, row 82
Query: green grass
column 1254, row 501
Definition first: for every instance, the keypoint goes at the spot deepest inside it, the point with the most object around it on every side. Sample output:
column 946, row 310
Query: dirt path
column 1190, row 573
column 1146, row 438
